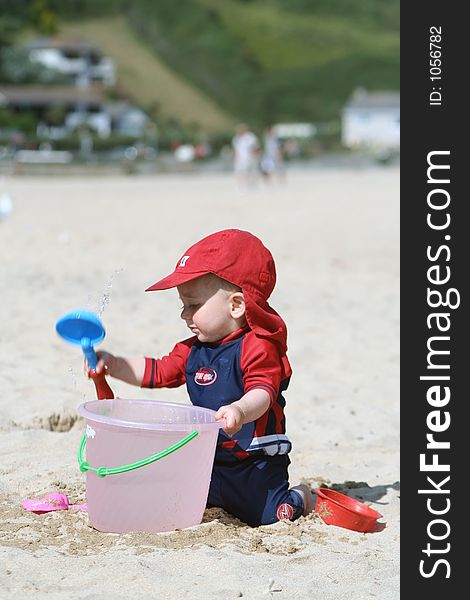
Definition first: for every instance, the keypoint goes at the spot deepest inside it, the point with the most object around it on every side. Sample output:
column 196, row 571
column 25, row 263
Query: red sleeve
column 168, row 371
column 261, row 365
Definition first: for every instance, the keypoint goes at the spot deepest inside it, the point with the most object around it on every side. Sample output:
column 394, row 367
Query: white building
column 295, row 130
column 127, row 119
column 79, row 106
column 84, row 63
column 371, row 120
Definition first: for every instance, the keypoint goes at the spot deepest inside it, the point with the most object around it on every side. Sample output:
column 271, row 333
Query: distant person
column 6, row 202
column 272, row 159
column 6, row 205
column 246, row 147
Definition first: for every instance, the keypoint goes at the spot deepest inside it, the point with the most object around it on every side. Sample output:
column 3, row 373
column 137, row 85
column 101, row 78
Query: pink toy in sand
column 49, row 502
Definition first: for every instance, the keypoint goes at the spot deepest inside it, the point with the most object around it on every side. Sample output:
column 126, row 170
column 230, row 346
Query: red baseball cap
column 240, row 258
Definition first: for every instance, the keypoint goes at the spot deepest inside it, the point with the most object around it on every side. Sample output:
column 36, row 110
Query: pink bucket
column 148, row 464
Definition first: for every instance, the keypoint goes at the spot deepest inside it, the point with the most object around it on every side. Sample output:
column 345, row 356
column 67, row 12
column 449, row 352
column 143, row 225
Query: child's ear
column 237, row 305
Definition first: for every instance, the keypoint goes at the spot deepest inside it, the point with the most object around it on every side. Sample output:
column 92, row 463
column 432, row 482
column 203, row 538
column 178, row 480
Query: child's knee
column 289, row 508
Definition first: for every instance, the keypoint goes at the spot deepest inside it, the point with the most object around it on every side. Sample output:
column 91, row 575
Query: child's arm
column 249, row 408
column 168, row 371
column 130, row 370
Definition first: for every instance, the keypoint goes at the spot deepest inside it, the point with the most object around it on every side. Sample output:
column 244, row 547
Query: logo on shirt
column 285, row 512
column 183, row 261
column 205, row 376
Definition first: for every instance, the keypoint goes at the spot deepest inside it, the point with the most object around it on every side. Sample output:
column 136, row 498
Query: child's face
column 208, row 310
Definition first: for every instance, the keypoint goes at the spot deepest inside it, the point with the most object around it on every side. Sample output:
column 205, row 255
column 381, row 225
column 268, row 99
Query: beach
column 97, row 243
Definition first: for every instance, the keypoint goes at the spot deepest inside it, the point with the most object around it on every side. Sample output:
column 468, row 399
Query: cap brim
column 175, row 279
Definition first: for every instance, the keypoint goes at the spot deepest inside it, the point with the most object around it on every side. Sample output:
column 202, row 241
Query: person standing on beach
column 272, row 160
column 246, row 147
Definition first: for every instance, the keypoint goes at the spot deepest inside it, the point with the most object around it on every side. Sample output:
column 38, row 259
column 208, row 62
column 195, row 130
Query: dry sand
column 99, row 242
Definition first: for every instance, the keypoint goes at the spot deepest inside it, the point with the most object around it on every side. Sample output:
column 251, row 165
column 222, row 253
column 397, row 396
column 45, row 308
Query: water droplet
column 106, row 295
column 73, row 375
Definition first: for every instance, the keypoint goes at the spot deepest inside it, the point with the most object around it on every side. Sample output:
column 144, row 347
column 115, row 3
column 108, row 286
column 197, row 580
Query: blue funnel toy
column 84, row 328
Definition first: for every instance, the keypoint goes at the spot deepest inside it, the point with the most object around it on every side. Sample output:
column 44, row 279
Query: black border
column 426, row 128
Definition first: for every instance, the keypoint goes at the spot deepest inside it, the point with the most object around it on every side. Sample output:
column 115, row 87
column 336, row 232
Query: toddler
column 235, row 363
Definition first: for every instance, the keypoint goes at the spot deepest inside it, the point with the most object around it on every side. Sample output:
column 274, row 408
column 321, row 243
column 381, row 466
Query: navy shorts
column 255, row 491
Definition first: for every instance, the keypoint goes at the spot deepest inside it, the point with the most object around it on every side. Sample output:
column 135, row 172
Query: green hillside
column 266, row 60
column 253, row 60
column 145, row 79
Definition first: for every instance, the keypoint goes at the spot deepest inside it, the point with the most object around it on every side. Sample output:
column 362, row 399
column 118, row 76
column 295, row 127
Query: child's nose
column 185, row 314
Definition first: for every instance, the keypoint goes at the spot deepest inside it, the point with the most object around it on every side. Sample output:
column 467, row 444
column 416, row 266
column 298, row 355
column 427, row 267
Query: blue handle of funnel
column 89, row 353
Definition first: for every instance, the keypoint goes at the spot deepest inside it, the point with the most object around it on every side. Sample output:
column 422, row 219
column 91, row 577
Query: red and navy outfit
column 249, row 477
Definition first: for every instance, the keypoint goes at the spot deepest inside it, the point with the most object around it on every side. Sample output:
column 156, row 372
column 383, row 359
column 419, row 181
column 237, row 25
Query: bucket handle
column 103, row 471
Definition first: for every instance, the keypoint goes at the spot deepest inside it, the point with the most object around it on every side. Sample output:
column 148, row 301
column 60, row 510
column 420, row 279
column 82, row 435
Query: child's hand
column 105, row 363
column 234, row 417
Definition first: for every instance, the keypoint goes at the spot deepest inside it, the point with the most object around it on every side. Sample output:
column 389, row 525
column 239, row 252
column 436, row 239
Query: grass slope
column 207, row 61
column 280, row 39
column 265, row 61
column 145, row 78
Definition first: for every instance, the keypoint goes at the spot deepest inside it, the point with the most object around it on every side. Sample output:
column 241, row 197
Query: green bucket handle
column 103, row 471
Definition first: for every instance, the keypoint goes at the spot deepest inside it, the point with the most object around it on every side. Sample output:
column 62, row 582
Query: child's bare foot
column 308, row 497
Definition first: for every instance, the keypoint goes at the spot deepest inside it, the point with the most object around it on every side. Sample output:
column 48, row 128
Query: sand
column 98, row 243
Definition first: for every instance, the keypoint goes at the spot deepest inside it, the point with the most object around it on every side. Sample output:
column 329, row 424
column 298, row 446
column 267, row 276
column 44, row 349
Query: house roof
column 118, row 109
column 36, row 95
column 361, row 98
column 79, row 47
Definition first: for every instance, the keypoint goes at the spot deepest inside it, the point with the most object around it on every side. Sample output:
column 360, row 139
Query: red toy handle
column 103, row 391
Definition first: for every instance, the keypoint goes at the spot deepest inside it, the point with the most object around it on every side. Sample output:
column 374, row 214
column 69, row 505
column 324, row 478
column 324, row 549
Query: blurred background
column 148, row 86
